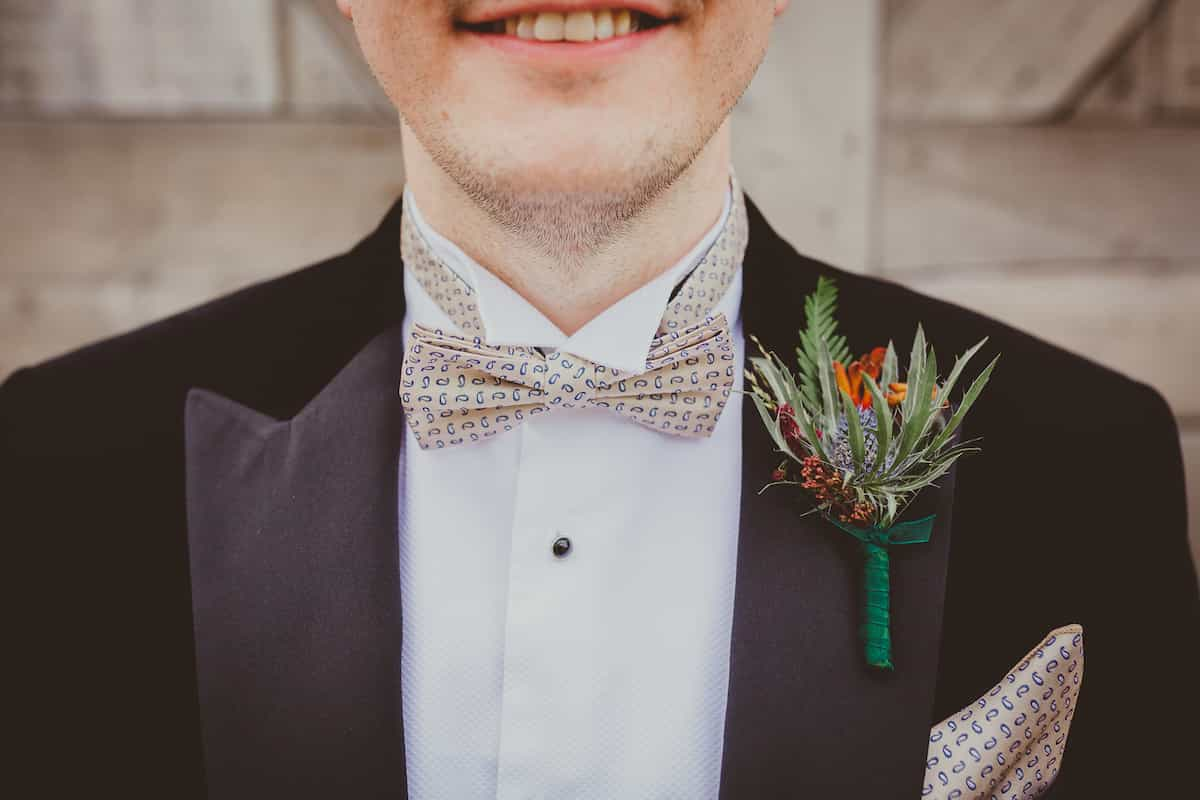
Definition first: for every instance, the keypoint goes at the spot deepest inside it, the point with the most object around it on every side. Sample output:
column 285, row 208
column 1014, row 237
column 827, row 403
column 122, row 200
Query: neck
column 650, row 243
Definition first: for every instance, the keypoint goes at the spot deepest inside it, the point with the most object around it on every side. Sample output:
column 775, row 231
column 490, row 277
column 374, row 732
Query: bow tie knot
column 570, row 381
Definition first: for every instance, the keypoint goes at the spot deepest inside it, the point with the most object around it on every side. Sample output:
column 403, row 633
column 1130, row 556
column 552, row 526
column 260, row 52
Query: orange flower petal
column 855, row 381
column 842, row 381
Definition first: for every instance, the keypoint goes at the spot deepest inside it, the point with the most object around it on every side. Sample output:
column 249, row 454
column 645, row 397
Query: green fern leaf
column 820, row 325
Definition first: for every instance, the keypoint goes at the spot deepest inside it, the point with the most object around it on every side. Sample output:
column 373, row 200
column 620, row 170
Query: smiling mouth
column 575, row 26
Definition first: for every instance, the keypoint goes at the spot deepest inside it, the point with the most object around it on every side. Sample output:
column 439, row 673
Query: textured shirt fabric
column 600, row 674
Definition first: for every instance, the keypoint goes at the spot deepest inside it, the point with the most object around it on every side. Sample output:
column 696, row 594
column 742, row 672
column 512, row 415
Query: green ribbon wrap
column 876, row 627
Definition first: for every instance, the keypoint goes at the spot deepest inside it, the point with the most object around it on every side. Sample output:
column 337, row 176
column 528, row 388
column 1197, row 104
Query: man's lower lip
column 569, row 52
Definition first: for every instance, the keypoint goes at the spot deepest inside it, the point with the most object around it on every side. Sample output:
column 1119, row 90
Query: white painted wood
column 1181, row 53
column 116, row 224
column 971, row 197
column 1013, row 61
column 327, row 76
column 138, row 56
column 120, row 198
column 1130, row 89
column 804, row 132
column 44, row 316
column 1143, row 324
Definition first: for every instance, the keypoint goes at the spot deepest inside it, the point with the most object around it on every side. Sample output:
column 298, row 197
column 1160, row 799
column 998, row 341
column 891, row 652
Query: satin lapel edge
column 292, row 531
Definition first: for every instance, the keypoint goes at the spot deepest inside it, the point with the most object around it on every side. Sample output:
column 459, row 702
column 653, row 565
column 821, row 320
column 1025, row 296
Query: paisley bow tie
column 457, row 390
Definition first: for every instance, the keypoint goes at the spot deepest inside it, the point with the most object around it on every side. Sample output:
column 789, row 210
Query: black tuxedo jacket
column 207, row 601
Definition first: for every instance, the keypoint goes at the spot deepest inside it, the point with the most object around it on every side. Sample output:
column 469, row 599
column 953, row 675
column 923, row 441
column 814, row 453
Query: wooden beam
column 1140, row 323
column 980, row 61
column 959, row 197
column 137, row 58
column 804, row 132
column 327, row 75
column 1128, row 90
column 121, row 223
column 1181, row 89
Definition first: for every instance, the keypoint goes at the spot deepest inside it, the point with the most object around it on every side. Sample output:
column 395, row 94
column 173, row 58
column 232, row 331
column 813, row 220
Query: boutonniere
column 862, row 437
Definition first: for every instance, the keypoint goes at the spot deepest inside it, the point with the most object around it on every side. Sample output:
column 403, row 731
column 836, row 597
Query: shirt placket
column 546, row 703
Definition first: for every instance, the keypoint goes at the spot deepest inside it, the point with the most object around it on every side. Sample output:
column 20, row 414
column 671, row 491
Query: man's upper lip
column 496, row 11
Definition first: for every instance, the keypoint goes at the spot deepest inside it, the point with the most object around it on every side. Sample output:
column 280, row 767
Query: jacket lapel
column 805, row 716
column 292, row 535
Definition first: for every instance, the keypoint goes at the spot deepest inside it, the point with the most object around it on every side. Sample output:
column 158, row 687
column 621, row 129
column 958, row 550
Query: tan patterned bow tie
column 458, row 389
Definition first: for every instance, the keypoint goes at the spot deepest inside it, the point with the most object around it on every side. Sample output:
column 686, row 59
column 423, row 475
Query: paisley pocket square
column 1009, row 743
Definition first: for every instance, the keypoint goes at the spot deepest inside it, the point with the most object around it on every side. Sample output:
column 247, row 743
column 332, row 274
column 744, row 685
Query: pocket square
column 1010, row 742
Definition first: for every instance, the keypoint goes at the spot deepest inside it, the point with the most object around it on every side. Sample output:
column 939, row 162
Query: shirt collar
column 617, row 337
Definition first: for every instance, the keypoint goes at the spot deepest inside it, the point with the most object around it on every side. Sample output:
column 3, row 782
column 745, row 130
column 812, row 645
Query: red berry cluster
column 825, row 483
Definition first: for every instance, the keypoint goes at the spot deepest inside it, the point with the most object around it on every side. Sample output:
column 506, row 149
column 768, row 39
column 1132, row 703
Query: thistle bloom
column 842, row 457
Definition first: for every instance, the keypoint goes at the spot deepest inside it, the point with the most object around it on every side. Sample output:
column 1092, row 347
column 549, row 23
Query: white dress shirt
column 602, row 673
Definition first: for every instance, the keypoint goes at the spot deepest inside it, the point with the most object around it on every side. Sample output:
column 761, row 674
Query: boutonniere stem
column 876, row 626
column 861, row 442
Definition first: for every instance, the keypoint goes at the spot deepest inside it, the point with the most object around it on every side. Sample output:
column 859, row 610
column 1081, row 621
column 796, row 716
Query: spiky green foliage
column 772, row 384
column 912, row 446
column 920, row 451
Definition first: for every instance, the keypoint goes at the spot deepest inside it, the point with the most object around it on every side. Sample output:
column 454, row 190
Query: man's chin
column 577, row 208
column 552, row 182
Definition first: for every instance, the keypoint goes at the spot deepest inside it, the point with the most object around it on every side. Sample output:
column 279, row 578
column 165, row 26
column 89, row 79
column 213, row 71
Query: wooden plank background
column 1181, row 47
column 324, row 76
column 795, row 121
column 151, row 218
column 966, row 197
column 1011, row 61
column 138, row 56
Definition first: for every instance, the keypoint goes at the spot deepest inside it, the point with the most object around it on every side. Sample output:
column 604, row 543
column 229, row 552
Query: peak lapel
column 805, row 716
column 292, row 536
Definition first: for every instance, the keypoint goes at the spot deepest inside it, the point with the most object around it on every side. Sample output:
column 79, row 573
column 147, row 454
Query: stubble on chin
column 569, row 219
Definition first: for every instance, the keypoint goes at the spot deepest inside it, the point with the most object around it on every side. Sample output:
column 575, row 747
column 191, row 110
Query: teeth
column 576, row 26
column 548, row 27
column 604, row 24
column 525, row 26
column 622, row 22
column 580, row 26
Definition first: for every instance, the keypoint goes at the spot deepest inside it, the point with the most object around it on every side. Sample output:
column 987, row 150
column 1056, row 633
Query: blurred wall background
column 1038, row 160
